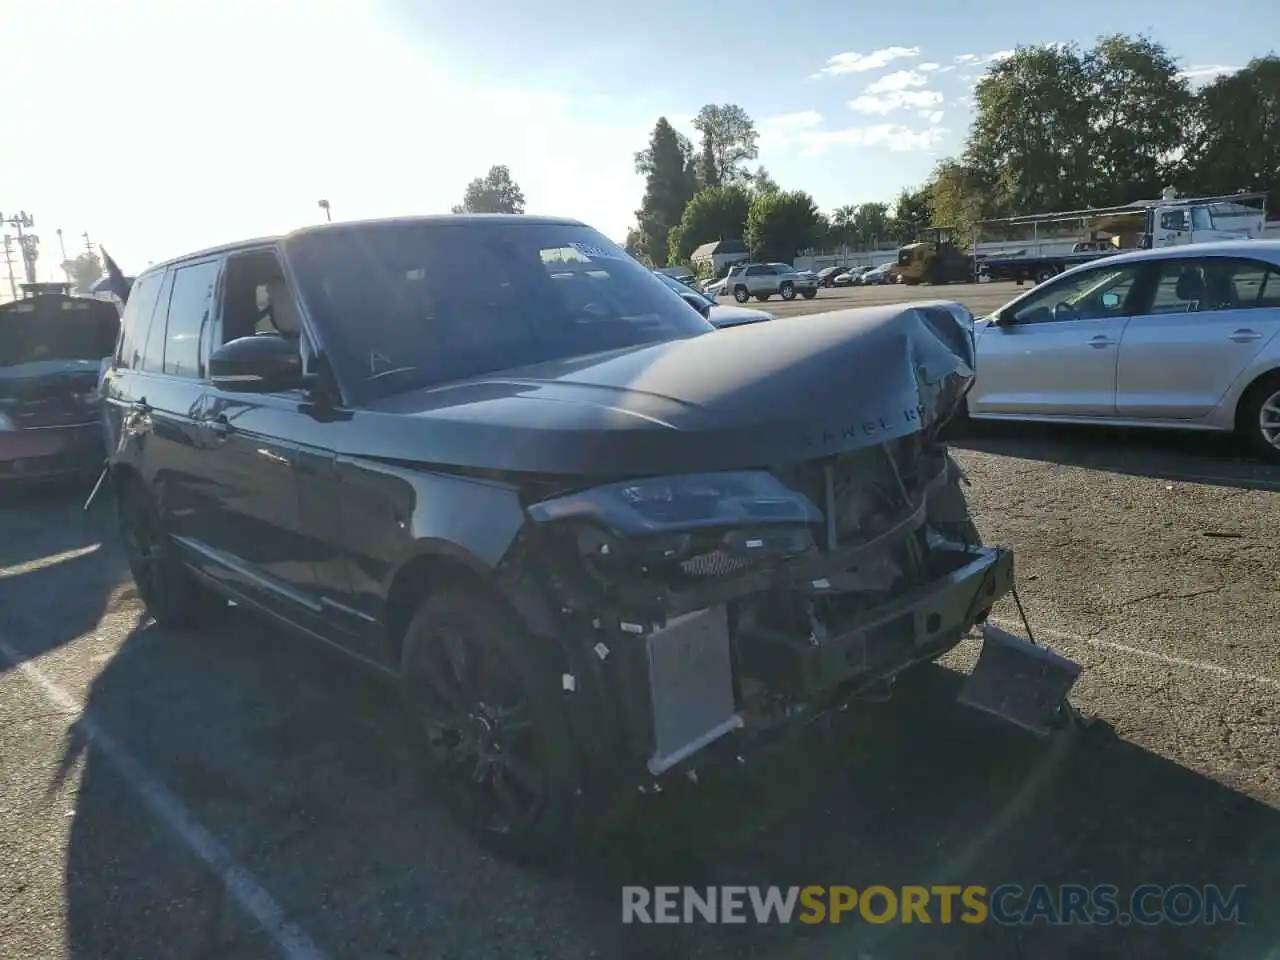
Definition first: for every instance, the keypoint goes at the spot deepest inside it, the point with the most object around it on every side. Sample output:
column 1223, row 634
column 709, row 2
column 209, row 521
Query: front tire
column 486, row 719
column 1259, row 419
column 740, row 294
column 167, row 589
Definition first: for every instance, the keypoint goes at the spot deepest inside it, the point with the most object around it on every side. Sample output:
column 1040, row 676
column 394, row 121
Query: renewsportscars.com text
column 1007, row 904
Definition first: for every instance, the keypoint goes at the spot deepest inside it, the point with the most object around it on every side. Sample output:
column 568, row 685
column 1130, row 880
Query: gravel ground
column 164, row 795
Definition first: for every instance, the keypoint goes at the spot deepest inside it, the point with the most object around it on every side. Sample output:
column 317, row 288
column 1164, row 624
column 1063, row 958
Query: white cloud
column 967, row 58
column 800, row 120
column 887, row 136
column 1206, row 72
column 862, row 62
column 933, row 116
column 892, row 82
column 930, row 66
column 974, row 59
column 885, row 103
column 998, row 56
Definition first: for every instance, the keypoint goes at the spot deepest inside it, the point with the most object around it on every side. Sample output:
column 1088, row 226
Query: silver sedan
column 1185, row 337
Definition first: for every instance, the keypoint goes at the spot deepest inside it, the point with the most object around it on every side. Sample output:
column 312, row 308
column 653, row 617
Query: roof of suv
column 439, row 219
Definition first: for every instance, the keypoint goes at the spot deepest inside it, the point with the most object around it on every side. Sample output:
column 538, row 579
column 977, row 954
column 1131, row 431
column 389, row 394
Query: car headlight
column 655, row 504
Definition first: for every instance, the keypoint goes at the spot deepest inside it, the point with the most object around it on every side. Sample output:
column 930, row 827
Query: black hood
column 765, row 394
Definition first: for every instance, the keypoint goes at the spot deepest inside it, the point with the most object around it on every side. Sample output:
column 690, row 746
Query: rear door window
column 189, row 306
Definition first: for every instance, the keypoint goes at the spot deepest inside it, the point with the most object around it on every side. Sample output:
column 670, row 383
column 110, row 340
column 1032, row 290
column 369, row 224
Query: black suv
column 588, row 536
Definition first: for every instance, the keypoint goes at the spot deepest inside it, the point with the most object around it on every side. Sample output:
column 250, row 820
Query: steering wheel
column 1063, row 311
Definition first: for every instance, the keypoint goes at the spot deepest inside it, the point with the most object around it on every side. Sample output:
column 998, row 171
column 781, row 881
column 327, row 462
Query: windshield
column 62, row 329
column 681, row 288
column 409, row 304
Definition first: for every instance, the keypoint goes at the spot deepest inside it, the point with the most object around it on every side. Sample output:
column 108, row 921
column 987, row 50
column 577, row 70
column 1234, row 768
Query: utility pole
column 8, row 259
column 88, row 245
column 28, row 243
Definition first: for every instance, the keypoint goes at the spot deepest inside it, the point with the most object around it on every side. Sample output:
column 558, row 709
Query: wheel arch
column 1248, row 393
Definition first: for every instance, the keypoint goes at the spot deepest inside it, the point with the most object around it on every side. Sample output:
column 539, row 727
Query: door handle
column 1245, row 336
column 1100, row 341
column 220, row 426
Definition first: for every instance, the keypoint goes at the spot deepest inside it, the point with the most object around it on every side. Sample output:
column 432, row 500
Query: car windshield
column 681, row 288
column 403, row 305
column 57, row 328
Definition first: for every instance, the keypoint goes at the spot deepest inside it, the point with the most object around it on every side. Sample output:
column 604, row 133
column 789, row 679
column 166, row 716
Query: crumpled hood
column 771, row 393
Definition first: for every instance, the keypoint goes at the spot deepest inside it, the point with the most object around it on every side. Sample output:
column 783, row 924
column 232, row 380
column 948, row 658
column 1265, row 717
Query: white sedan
column 1185, row 337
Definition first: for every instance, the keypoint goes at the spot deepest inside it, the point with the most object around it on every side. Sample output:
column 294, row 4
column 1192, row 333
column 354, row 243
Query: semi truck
column 1039, row 246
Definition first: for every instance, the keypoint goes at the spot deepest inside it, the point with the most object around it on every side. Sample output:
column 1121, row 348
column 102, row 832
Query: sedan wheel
column 740, row 294
column 787, row 290
column 1260, row 419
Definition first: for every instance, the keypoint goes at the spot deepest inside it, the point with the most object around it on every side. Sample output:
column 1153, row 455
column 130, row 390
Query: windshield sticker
column 593, row 252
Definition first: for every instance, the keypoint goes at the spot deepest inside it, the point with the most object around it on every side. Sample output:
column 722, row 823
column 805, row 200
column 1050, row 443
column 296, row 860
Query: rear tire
column 809, row 294
column 483, row 702
column 1259, row 418
column 1045, row 273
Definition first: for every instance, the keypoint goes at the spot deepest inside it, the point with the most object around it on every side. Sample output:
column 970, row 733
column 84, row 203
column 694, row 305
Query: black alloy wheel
column 485, row 715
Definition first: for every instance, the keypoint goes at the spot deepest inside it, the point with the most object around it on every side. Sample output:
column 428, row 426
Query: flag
column 117, row 283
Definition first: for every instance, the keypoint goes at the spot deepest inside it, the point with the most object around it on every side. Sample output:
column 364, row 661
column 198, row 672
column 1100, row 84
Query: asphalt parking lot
column 238, row 794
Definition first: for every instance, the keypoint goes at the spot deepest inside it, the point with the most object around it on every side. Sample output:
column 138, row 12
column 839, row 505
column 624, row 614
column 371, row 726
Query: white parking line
column 239, row 883
column 1015, row 625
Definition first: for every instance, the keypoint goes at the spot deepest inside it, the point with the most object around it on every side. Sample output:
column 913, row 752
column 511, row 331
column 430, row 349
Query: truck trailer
column 1039, row 246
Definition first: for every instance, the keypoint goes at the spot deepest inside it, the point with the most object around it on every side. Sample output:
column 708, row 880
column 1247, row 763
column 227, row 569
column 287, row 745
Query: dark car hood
column 770, row 393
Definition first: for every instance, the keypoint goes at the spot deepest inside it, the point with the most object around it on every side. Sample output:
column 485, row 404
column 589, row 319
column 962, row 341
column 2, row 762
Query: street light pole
column 324, row 205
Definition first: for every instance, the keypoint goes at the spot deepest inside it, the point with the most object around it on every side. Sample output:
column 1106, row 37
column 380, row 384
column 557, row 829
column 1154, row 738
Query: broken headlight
column 656, row 504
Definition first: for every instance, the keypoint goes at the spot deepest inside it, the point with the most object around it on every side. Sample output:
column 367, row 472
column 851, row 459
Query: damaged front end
column 741, row 598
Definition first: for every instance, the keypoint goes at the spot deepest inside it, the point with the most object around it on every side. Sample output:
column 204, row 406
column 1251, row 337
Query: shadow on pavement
column 293, row 760
column 52, row 553
column 1160, row 454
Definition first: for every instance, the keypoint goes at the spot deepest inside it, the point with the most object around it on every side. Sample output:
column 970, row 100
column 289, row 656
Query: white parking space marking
column 52, row 560
column 240, row 885
column 1015, row 625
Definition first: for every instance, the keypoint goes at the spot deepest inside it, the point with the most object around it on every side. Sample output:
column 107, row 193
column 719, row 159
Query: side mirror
column 260, row 364
column 698, row 303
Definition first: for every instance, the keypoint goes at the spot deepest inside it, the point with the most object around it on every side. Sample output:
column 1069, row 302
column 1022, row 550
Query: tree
column 1032, row 129
column 633, row 243
column 1138, row 107
column 714, row 213
column 84, row 271
column 780, row 225
column 840, row 230
column 959, row 196
column 495, row 192
column 729, row 140
column 911, row 214
column 1234, row 142
column 668, row 168
column 870, row 224
column 762, row 182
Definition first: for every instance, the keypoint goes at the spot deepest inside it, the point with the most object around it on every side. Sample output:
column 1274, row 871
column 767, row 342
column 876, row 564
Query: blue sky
column 238, row 116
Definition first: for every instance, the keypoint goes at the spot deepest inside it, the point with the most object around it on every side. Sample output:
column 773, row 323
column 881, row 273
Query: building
column 715, row 258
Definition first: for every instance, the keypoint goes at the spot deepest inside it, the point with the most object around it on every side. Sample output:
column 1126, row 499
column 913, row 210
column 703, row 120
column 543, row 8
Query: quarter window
column 136, row 319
